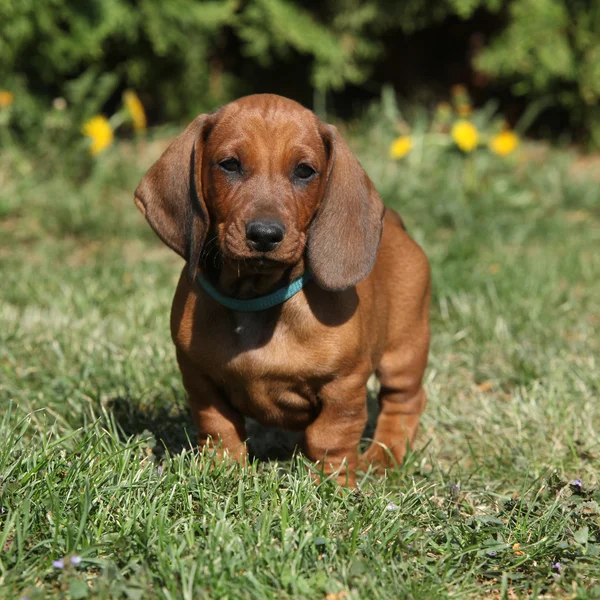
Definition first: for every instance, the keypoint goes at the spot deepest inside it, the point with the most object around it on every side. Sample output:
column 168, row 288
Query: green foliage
column 181, row 56
column 341, row 54
column 550, row 50
column 414, row 15
column 170, row 50
column 150, row 45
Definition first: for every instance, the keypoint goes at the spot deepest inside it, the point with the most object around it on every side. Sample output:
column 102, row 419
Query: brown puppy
column 254, row 196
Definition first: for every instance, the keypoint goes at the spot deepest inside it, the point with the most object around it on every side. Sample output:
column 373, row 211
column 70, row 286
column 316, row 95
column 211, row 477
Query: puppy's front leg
column 217, row 422
column 332, row 439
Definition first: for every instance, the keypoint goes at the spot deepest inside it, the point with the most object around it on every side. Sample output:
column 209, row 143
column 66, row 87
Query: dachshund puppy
column 298, row 285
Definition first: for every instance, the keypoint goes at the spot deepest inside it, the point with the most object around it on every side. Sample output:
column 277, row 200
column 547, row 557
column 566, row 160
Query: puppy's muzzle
column 264, row 235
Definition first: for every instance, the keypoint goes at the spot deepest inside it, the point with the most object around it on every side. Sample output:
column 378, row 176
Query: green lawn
column 94, row 454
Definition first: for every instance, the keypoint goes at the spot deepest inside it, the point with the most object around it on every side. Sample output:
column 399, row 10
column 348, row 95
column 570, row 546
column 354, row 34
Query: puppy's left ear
column 170, row 195
column 345, row 234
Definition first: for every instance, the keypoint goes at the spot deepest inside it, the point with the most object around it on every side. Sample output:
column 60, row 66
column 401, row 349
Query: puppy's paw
column 379, row 457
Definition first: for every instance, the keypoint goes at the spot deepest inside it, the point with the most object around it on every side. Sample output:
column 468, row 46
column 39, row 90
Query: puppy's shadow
column 170, row 428
column 265, row 443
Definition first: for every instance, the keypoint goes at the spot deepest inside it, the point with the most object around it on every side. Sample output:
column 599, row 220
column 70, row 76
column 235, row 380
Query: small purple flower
column 391, row 506
column 492, row 553
column 70, row 561
column 577, row 484
column 24, row 598
column 557, row 567
column 160, row 470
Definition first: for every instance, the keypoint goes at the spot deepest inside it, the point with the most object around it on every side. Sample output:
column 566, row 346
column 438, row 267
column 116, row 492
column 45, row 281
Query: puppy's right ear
column 170, row 195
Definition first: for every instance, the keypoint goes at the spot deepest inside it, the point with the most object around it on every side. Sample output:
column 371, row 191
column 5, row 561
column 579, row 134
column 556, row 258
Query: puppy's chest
column 270, row 366
column 249, row 331
column 261, row 348
column 268, row 376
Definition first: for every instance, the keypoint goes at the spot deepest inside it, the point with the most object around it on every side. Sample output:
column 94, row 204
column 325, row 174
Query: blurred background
column 62, row 62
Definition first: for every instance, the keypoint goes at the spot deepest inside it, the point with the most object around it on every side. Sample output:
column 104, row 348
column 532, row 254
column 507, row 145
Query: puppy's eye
column 231, row 165
column 304, row 172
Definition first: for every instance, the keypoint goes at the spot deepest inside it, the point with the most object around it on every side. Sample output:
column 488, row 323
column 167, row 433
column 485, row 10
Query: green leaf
column 581, row 535
column 78, row 589
column 134, row 593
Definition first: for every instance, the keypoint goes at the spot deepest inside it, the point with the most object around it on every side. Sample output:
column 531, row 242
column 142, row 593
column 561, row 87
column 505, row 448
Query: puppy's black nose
column 265, row 235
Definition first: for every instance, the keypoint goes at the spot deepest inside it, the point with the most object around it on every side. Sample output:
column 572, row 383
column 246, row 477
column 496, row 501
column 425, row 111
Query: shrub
column 550, row 51
column 169, row 51
column 54, row 49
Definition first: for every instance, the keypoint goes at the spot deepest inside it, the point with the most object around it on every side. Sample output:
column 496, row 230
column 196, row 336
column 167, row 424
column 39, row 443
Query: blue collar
column 255, row 304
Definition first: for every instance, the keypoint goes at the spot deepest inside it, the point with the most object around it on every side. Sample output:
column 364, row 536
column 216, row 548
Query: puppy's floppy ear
column 345, row 234
column 170, row 195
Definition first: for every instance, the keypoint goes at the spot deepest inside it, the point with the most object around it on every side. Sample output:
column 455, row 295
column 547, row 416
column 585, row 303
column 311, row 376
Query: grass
column 95, row 459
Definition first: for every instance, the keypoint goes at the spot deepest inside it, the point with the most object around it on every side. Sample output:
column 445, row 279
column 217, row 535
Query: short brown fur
column 302, row 365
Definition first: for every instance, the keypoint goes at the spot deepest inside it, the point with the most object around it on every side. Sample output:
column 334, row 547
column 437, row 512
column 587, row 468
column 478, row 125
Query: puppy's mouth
column 260, row 264
column 251, row 276
column 260, row 261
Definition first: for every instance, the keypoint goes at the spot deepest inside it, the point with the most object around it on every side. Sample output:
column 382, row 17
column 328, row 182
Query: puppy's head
column 269, row 183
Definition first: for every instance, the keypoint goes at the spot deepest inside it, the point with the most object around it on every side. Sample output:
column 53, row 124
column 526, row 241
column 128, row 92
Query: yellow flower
column 400, row 147
column 136, row 110
column 504, row 143
column 465, row 135
column 6, row 98
column 99, row 130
